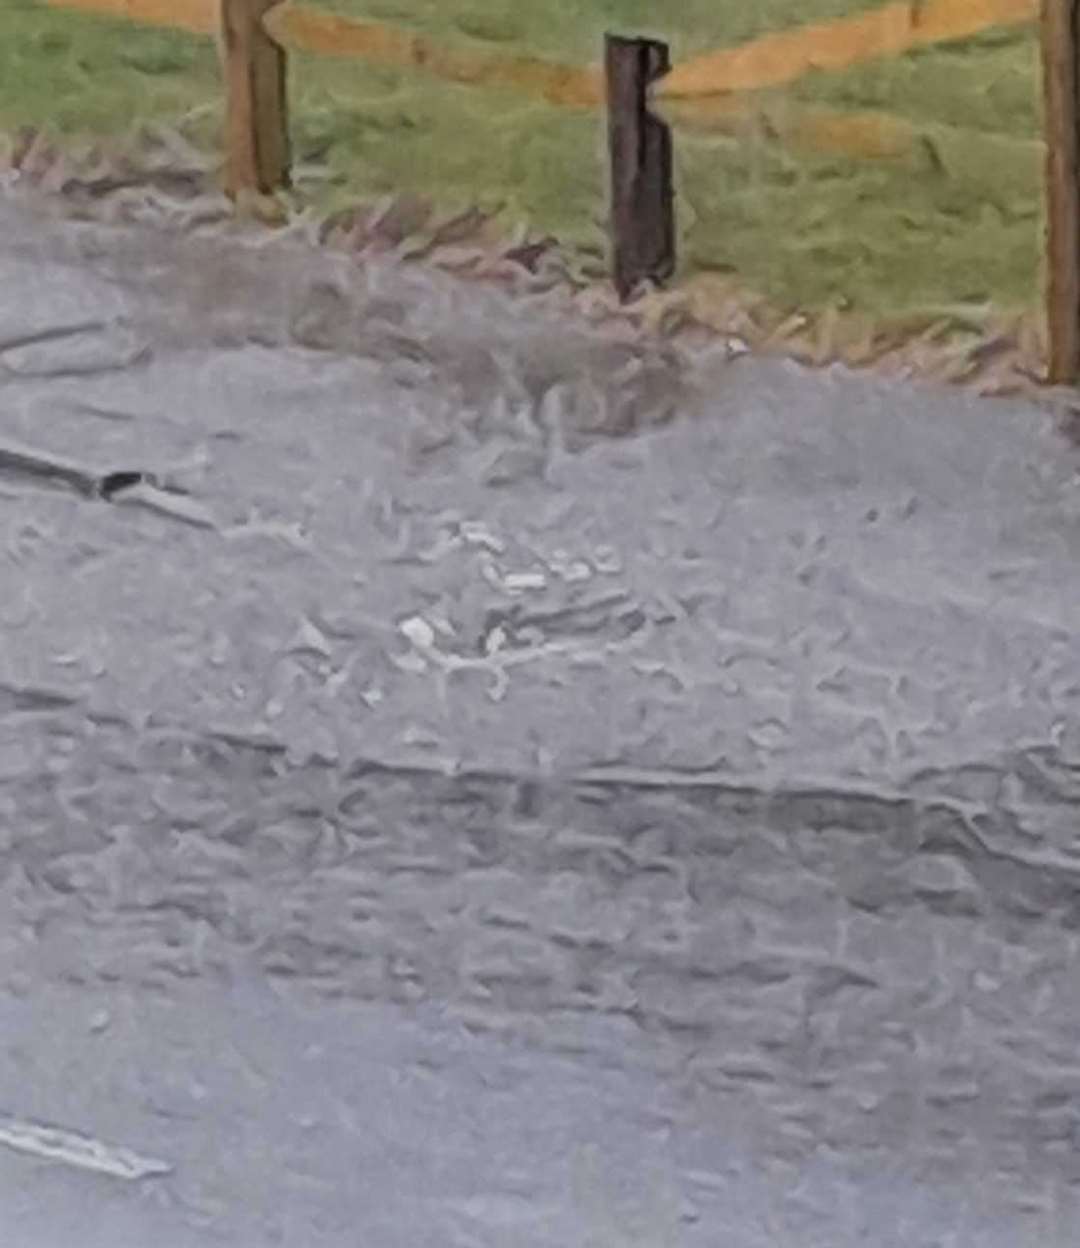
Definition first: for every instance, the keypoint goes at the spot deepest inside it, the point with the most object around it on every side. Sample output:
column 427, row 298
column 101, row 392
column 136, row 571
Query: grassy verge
column 937, row 228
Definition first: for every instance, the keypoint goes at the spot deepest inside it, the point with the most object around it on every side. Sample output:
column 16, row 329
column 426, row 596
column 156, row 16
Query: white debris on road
column 74, row 1149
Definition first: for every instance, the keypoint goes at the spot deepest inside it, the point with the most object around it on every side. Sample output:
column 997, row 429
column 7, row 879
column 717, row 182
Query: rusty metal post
column 640, row 154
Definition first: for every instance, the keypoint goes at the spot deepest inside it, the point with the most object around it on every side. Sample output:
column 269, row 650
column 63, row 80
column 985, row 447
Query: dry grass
column 157, row 176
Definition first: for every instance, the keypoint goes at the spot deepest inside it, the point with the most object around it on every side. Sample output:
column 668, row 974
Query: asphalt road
column 473, row 777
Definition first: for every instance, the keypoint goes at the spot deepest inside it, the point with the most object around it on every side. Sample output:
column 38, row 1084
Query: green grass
column 83, row 74
column 958, row 223
column 572, row 30
column 990, row 82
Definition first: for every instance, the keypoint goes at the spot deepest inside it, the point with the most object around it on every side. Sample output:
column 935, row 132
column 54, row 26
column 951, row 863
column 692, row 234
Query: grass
column 81, row 74
column 943, row 226
column 572, row 30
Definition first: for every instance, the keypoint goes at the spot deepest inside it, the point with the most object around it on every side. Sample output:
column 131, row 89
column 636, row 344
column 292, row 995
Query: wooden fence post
column 639, row 148
column 256, row 125
column 1061, row 99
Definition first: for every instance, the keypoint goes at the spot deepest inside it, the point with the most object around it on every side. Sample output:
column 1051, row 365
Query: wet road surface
column 497, row 780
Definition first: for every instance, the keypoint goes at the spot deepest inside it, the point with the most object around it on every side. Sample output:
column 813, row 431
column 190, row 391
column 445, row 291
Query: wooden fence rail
column 875, row 34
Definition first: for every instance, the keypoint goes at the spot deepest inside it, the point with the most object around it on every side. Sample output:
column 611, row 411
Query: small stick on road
column 639, row 145
column 256, row 127
column 1061, row 99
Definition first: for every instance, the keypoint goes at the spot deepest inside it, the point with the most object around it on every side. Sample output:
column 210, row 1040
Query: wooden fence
column 1061, row 94
column 645, row 96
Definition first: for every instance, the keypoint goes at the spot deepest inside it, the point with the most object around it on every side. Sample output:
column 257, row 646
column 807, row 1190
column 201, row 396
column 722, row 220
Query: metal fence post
column 640, row 154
